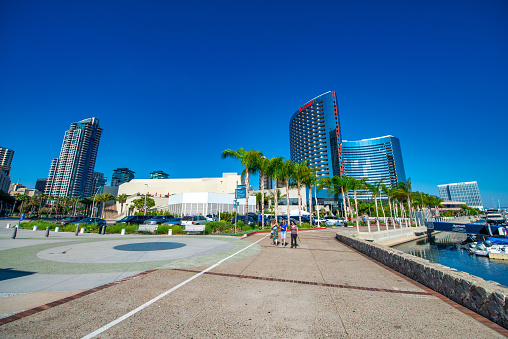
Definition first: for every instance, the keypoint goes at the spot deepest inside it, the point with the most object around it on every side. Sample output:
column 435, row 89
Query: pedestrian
column 283, row 229
column 294, row 234
column 274, row 228
column 363, row 219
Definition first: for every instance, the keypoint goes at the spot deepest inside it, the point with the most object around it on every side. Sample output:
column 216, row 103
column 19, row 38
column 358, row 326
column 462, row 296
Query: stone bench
column 194, row 228
column 147, row 228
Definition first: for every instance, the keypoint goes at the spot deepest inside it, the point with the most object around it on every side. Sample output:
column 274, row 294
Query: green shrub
column 208, row 229
column 163, row 229
column 306, row 225
column 41, row 225
column 117, row 229
column 216, row 226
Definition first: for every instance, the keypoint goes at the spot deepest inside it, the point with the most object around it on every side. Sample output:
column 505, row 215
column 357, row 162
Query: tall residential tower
column 6, row 156
column 71, row 175
column 121, row 175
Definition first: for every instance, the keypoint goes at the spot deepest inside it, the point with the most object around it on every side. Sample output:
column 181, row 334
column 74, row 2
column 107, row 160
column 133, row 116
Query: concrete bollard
column 82, row 231
column 122, row 232
column 57, row 229
column 47, row 232
column 8, row 226
column 77, row 231
column 170, row 232
column 14, row 232
column 368, row 223
column 35, row 228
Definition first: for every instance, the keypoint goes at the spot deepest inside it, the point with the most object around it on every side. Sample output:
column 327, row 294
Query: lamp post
column 146, row 191
column 220, row 204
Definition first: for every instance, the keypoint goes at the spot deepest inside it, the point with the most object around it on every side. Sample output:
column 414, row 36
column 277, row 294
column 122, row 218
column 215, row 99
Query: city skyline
column 175, row 84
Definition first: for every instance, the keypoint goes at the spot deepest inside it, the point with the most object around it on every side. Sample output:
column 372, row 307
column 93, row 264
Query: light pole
column 146, row 191
column 220, row 205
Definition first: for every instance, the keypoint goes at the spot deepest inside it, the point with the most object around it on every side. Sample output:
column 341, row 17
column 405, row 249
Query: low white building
column 203, row 203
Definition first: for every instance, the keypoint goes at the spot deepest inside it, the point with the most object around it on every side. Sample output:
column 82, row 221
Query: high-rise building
column 467, row 192
column 267, row 181
column 375, row 159
column 158, row 175
column 121, row 175
column 40, row 185
column 6, row 156
column 71, row 175
column 314, row 132
column 99, row 181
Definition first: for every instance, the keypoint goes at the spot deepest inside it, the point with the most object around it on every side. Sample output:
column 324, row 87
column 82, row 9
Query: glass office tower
column 314, row 133
column 466, row 192
column 71, row 175
column 121, row 175
column 374, row 159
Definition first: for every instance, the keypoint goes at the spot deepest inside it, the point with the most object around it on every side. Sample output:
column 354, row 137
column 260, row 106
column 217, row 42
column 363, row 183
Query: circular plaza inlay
column 135, row 250
column 149, row 246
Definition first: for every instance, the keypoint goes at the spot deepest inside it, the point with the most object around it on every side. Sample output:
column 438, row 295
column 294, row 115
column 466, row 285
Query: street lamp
column 146, row 191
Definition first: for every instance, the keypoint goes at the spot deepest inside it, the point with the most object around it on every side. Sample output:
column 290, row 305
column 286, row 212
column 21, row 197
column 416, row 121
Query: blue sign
column 464, row 228
column 22, row 216
column 240, row 193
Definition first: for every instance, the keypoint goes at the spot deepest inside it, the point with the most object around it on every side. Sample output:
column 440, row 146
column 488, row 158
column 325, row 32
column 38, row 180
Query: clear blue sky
column 174, row 83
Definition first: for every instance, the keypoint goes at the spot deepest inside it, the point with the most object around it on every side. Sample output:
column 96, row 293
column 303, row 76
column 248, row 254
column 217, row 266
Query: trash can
column 170, row 232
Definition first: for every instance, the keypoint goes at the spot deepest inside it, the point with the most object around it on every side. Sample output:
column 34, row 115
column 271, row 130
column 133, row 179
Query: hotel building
column 375, row 159
column 72, row 174
column 6, row 156
column 121, row 175
column 314, row 132
column 467, row 192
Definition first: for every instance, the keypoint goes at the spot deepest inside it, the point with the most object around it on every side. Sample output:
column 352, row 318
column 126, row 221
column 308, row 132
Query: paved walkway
column 321, row 289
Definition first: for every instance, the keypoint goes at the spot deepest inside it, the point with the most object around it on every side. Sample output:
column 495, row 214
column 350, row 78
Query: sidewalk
column 321, row 289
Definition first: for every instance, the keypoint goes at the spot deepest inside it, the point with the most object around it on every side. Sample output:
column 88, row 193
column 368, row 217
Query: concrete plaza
column 321, row 289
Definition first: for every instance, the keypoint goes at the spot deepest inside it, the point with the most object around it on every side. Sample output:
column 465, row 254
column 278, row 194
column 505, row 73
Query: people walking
column 283, row 229
column 294, row 234
column 274, row 227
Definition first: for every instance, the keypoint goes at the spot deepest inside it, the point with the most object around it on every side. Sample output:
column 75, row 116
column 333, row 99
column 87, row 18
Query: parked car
column 251, row 220
column 159, row 219
column 69, row 220
column 173, row 222
column 212, row 217
column 193, row 220
column 134, row 219
column 334, row 221
column 90, row 221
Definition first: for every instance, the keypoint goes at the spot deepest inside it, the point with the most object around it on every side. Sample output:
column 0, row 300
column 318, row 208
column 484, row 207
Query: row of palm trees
column 399, row 198
column 62, row 205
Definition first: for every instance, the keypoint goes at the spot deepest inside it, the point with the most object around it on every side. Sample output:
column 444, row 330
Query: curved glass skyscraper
column 314, row 132
column 374, row 159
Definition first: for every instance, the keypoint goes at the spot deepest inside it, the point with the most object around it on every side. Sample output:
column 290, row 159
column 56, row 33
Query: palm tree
column 42, row 197
column 122, row 198
column 262, row 165
column 301, row 171
column 310, row 181
column 104, row 197
column 288, row 173
column 374, row 190
column 357, row 184
column 405, row 188
column 389, row 191
column 249, row 159
column 274, row 170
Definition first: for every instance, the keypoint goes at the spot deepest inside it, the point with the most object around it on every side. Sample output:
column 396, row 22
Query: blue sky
column 176, row 83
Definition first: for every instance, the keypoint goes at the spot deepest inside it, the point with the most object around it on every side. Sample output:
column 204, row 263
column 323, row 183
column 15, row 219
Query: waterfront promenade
column 321, row 289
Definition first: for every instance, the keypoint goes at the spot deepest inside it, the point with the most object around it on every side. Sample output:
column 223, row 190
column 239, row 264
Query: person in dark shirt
column 274, row 232
column 294, row 234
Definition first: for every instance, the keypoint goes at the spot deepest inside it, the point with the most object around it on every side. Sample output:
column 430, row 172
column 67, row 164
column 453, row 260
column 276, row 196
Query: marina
column 444, row 248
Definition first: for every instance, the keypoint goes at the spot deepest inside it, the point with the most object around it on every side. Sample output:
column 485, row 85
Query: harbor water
column 443, row 249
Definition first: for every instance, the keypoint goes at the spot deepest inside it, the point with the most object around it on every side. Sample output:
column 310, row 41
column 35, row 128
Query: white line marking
column 148, row 303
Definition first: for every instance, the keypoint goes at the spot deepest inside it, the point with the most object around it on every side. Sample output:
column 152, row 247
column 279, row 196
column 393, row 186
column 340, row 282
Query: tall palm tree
column 103, row 198
column 357, row 184
column 406, row 187
column 42, row 198
column 288, row 174
column 121, row 198
column 348, row 184
column 249, row 159
column 374, row 189
column 262, row 165
column 389, row 191
column 310, row 181
column 333, row 185
column 275, row 170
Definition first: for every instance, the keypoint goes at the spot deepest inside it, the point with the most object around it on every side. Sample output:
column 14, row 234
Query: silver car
column 334, row 221
column 193, row 220
column 158, row 219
